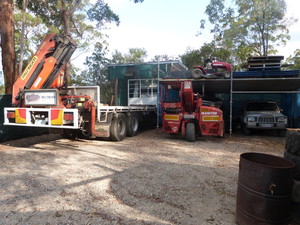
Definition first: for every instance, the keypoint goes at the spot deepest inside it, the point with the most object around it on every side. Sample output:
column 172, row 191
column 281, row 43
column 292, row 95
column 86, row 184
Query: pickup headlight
column 281, row 119
column 251, row 119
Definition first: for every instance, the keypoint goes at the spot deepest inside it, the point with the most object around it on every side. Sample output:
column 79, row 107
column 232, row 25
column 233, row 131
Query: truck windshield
column 171, row 95
column 261, row 106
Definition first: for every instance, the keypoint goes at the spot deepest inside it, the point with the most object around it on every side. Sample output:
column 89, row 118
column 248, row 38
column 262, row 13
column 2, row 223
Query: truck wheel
column 292, row 142
column 190, row 132
column 118, row 128
column 132, row 123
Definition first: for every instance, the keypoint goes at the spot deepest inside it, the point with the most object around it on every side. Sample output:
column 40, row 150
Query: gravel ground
column 152, row 178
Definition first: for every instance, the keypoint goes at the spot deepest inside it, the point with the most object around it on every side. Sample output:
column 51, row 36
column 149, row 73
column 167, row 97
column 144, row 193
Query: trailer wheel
column 190, row 132
column 132, row 123
column 118, row 128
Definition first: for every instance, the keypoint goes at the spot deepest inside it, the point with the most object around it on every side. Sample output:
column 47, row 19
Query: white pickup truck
column 263, row 115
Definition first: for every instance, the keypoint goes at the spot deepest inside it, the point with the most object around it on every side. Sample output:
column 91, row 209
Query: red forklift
column 183, row 111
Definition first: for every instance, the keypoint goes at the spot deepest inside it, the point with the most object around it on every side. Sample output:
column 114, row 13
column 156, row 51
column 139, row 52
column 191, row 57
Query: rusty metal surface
column 264, row 189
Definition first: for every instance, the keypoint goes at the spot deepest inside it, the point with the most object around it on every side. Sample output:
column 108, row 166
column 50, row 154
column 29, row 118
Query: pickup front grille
column 266, row 119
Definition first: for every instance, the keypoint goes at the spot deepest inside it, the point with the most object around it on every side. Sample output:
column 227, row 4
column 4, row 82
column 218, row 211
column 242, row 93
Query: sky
column 171, row 26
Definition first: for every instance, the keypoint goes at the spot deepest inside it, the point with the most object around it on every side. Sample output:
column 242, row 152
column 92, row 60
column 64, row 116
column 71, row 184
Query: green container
column 116, row 72
column 144, row 71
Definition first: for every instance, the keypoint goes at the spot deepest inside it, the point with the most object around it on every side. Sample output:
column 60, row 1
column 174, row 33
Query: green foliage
column 192, row 58
column 158, row 58
column 85, row 23
column 95, row 74
column 102, row 14
column 35, row 30
column 294, row 61
column 251, row 26
column 135, row 55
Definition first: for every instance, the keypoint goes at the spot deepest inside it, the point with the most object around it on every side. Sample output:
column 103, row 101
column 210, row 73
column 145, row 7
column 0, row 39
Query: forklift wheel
column 190, row 132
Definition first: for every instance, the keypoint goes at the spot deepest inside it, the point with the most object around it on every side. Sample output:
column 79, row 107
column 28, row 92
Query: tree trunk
column 8, row 44
column 66, row 18
column 22, row 39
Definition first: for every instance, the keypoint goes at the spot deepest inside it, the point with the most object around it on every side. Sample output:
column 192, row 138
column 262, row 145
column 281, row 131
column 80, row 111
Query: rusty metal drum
column 264, row 189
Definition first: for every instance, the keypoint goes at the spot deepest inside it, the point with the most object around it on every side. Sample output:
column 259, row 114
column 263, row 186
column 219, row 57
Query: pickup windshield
column 261, row 106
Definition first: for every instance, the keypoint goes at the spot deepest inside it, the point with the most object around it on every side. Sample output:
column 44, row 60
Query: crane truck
column 184, row 111
column 41, row 98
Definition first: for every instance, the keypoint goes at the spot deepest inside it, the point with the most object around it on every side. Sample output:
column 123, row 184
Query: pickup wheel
column 132, row 123
column 190, row 132
column 118, row 128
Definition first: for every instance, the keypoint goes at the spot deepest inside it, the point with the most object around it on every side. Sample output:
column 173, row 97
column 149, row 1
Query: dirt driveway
column 152, row 178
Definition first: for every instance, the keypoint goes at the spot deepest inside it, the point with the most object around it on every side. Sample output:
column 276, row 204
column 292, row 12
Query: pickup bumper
column 254, row 125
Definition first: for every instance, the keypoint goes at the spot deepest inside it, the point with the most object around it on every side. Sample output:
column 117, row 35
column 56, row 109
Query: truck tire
column 295, row 159
column 132, row 123
column 118, row 128
column 292, row 142
column 190, row 132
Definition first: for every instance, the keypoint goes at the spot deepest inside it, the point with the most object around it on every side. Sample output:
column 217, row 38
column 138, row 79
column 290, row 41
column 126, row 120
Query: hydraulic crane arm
column 46, row 68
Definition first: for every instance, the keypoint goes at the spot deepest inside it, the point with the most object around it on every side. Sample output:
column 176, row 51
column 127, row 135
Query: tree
column 294, row 61
column 260, row 25
column 158, row 58
column 7, row 44
column 22, row 38
column 33, row 32
column 135, row 55
column 76, row 17
column 96, row 73
column 192, row 58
